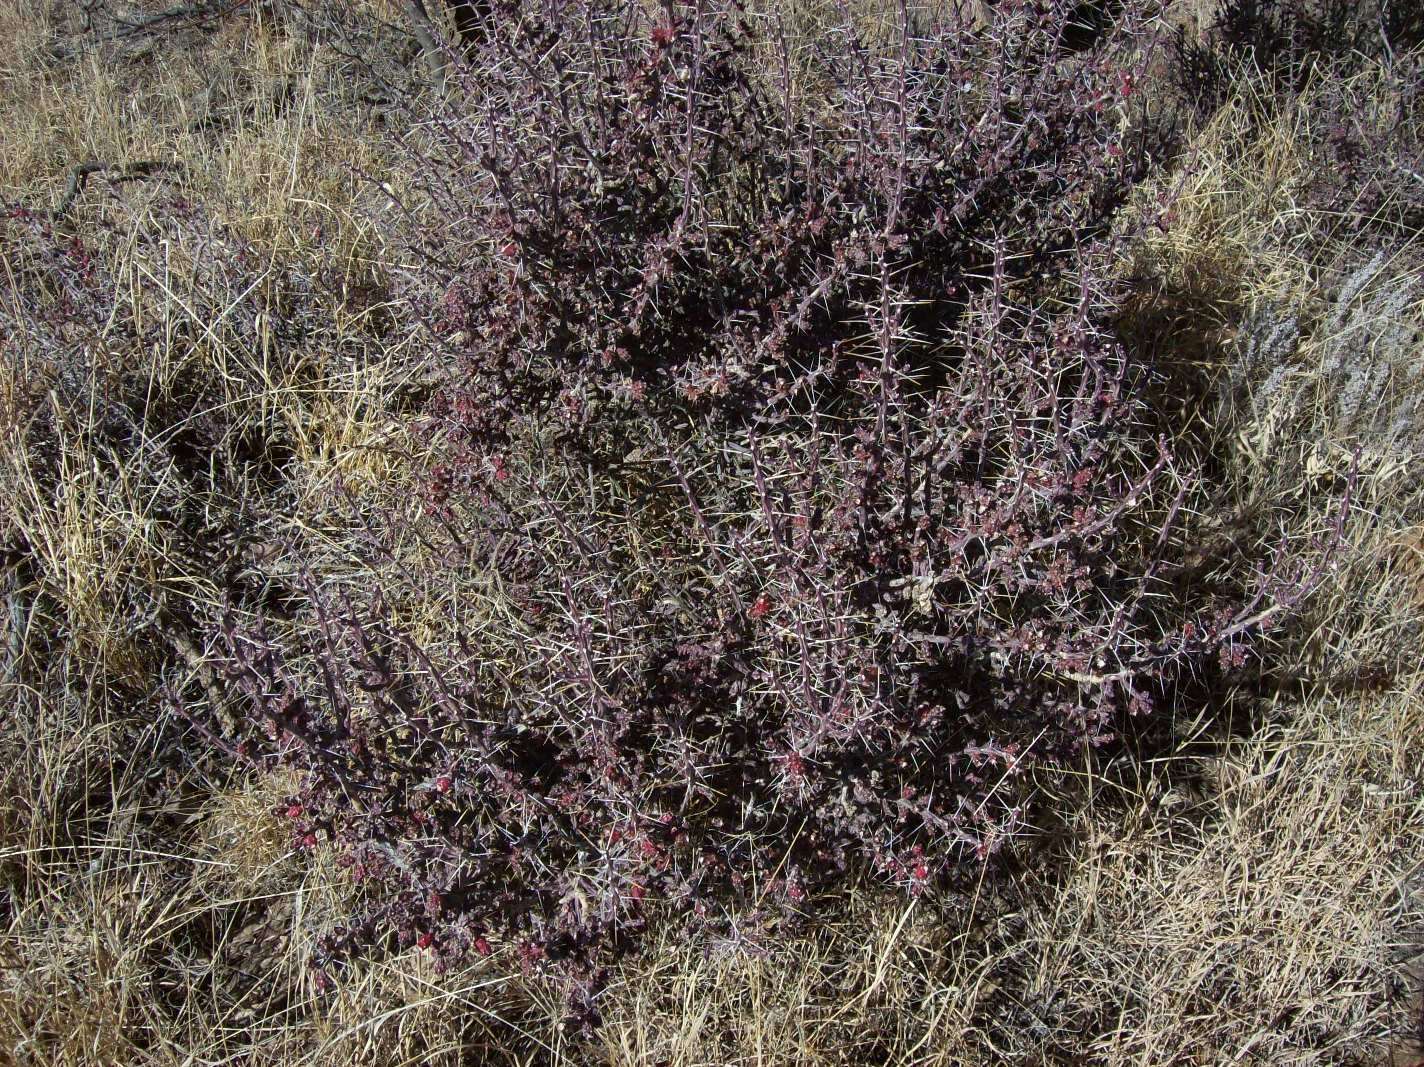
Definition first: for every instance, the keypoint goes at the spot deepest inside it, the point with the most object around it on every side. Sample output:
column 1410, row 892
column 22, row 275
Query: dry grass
column 1251, row 895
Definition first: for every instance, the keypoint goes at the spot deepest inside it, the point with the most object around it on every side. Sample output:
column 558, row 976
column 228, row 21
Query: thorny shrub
column 792, row 493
